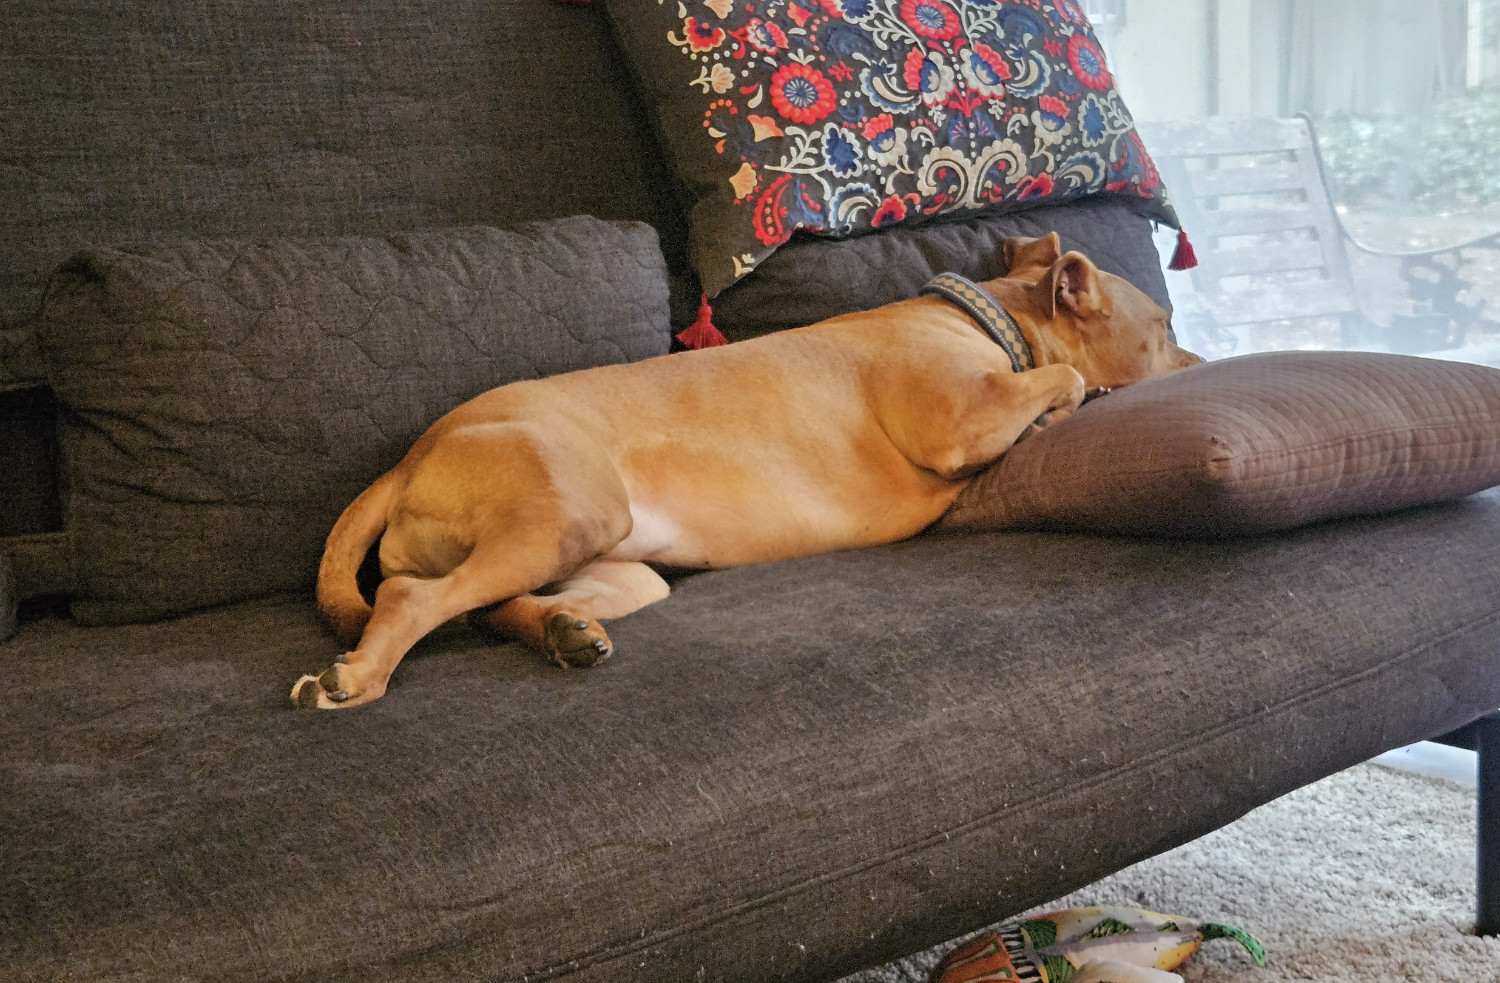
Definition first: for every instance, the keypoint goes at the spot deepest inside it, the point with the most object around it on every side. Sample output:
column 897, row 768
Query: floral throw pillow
column 840, row 116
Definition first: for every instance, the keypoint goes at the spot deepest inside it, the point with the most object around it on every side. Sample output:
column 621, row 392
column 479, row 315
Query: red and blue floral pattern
column 838, row 116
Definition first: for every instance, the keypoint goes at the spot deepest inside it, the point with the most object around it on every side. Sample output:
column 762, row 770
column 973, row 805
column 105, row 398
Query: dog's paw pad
column 305, row 693
column 329, row 690
column 572, row 641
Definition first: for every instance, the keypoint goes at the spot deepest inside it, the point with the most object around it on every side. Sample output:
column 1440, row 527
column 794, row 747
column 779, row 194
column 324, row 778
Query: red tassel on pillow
column 1184, row 257
column 702, row 333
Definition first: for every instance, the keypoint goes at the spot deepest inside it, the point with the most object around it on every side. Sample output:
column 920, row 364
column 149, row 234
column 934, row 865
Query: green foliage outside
column 1443, row 161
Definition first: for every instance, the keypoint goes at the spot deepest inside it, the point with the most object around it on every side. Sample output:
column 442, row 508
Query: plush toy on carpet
column 1087, row 945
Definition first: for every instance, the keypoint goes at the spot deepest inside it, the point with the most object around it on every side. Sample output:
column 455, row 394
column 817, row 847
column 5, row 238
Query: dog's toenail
column 580, row 625
column 339, row 696
column 599, row 644
column 342, row 660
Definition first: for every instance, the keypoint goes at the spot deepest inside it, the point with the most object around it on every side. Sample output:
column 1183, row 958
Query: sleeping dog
column 541, row 507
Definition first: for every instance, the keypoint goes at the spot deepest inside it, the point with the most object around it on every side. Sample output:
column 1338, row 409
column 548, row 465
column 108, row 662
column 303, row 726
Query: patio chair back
column 1251, row 194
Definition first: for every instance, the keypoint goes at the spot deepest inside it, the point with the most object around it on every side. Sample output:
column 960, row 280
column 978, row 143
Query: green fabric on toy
column 1107, row 944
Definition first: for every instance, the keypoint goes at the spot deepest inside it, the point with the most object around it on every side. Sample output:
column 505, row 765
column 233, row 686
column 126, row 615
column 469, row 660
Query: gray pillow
column 224, row 400
column 1251, row 445
column 812, row 278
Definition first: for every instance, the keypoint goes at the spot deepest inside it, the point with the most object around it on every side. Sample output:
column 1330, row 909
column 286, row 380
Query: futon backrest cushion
column 137, row 119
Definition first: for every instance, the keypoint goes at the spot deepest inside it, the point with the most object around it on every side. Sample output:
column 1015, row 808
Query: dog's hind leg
column 407, row 608
column 534, row 513
column 564, row 622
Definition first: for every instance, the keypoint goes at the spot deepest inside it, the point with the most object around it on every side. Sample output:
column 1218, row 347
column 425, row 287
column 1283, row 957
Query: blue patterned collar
column 994, row 319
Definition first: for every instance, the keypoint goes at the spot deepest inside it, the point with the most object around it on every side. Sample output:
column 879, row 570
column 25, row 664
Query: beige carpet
column 1366, row 876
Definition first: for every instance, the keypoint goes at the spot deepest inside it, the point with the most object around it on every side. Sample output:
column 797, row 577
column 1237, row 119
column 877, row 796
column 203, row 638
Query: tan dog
column 859, row 430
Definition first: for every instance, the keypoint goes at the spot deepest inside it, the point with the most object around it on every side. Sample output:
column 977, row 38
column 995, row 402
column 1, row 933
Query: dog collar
column 994, row 319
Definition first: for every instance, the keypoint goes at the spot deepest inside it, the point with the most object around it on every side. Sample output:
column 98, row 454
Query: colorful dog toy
column 1087, row 945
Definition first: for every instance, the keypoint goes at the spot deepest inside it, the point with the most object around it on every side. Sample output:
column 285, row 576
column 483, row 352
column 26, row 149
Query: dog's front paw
column 572, row 641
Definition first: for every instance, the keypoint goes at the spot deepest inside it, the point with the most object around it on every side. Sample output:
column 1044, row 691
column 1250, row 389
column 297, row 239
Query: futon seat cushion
column 929, row 735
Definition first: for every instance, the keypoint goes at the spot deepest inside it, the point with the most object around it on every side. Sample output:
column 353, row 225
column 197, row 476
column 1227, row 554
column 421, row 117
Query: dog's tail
column 356, row 531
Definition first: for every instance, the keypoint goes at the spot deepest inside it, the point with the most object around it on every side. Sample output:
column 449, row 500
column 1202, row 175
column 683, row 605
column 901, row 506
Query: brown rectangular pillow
column 1250, row 445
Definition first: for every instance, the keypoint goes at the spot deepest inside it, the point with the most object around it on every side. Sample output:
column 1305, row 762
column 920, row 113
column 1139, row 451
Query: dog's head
column 1099, row 323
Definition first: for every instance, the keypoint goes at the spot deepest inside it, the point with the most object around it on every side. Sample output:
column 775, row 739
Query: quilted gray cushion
column 810, row 279
column 224, row 399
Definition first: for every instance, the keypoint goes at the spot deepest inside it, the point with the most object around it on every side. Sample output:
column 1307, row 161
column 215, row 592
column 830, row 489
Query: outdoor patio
column 1382, row 293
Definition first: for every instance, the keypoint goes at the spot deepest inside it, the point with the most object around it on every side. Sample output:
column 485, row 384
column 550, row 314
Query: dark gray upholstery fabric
column 28, row 463
column 130, row 120
column 788, row 771
column 9, row 599
column 239, row 118
column 810, row 279
column 133, row 120
column 225, row 399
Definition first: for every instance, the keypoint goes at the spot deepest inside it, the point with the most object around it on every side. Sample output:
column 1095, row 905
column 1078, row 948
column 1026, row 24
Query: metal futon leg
column 1487, row 743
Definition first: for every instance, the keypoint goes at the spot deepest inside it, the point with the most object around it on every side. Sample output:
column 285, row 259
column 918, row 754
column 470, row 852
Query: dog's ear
column 1022, row 251
column 1072, row 283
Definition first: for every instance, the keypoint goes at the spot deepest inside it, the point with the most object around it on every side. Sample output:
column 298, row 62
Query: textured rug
column 1365, row 876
